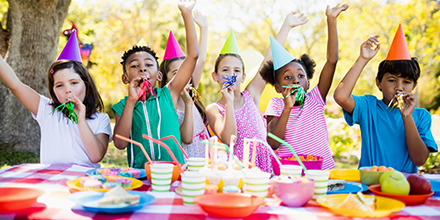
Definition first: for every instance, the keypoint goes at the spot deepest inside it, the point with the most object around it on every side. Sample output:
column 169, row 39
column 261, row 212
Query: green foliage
column 114, row 157
column 9, row 157
column 344, row 141
column 4, row 5
column 432, row 162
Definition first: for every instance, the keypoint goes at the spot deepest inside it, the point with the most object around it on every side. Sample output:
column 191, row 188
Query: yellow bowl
column 384, row 206
column 76, row 184
column 346, row 174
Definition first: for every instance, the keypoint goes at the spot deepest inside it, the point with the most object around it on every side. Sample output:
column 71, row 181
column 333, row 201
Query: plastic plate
column 76, row 184
column 384, row 206
column 345, row 174
column 408, row 200
column 89, row 202
column 17, row 198
column 350, row 187
column 93, row 172
column 435, row 186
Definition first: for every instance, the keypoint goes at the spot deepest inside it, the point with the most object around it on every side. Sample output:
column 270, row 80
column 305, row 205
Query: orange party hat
column 399, row 48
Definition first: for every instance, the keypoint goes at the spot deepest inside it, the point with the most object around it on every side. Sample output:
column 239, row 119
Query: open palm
column 370, row 47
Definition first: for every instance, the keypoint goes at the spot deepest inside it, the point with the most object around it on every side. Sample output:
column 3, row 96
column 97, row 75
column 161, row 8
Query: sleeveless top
column 196, row 148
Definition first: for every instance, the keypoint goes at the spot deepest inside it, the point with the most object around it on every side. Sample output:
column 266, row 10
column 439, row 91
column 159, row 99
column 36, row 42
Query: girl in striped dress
column 302, row 125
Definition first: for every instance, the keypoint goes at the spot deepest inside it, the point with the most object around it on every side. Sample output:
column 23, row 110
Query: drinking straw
column 231, row 147
column 166, row 148
column 136, row 143
column 254, row 151
column 175, row 140
column 268, row 147
column 291, row 149
column 227, row 148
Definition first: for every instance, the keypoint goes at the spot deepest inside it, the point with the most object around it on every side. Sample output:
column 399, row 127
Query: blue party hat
column 280, row 56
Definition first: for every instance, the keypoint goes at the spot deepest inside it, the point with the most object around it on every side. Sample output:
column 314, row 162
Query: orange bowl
column 176, row 171
column 229, row 205
column 16, row 198
column 408, row 200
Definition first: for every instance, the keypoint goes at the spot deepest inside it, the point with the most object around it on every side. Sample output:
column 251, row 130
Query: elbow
column 187, row 140
column 338, row 97
column 274, row 144
column 194, row 55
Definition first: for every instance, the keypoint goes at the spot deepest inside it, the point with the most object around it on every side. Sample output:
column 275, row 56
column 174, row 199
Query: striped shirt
column 306, row 129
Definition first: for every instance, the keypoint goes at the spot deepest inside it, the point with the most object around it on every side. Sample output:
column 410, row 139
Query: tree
column 29, row 42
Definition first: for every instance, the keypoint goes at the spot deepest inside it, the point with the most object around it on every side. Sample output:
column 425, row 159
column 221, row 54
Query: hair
column 270, row 75
column 400, row 68
column 136, row 49
column 199, row 105
column 92, row 99
column 164, row 69
column 222, row 56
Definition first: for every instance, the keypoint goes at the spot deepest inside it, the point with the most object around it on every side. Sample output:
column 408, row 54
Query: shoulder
column 212, row 108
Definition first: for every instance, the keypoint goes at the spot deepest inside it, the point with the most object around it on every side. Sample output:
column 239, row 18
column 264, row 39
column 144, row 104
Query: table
column 55, row 204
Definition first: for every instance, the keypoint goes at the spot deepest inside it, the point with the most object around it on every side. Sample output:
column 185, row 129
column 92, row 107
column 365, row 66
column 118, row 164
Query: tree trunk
column 34, row 28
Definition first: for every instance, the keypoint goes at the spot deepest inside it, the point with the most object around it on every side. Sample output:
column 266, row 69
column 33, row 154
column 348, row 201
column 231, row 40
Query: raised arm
column 328, row 71
column 187, row 126
column 202, row 22
column 28, row 97
column 345, row 88
column 223, row 126
column 257, row 85
column 185, row 71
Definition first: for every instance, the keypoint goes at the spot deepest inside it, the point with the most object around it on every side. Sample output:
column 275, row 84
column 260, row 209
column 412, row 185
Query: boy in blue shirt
column 398, row 136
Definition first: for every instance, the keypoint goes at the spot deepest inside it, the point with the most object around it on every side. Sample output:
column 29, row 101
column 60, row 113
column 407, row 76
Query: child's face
column 292, row 74
column 66, row 83
column 172, row 69
column 392, row 85
column 230, row 65
column 141, row 64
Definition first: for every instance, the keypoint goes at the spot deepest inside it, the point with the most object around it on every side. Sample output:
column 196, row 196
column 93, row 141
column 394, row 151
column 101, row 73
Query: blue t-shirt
column 383, row 133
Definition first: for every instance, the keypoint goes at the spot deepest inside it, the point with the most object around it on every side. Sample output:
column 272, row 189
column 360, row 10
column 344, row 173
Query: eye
column 134, row 66
column 58, row 86
column 391, row 80
column 407, row 82
column 301, row 75
column 287, row 77
column 149, row 64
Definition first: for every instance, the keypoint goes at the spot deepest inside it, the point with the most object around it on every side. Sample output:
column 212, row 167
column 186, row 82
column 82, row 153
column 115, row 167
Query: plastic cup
column 291, row 170
column 320, row 177
column 256, row 184
column 195, row 163
column 161, row 177
column 193, row 184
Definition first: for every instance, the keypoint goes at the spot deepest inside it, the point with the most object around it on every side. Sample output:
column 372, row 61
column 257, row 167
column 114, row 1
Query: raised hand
column 79, row 107
column 200, row 19
column 409, row 103
column 186, row 5
column 335, row 11
column 134, row 86
column 293, row 19
column 185, row 94
column 228, row 93
column 289, row 100
column 368, row 50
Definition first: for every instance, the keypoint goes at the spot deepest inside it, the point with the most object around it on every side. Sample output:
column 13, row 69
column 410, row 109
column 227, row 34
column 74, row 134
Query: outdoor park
column 197, row 109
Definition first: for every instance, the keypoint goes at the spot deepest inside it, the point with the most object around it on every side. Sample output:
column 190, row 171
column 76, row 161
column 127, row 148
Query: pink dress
column 196, row 148
column 250, row 124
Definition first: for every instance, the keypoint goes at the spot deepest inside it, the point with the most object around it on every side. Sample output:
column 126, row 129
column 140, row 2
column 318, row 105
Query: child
column 192, row 115
column 303, row 127
column 236, row 113
column 62, row 141
column 394, row 137
column 155, row 117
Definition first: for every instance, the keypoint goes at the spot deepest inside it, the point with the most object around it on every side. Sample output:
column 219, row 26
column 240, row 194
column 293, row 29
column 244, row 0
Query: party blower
column 177, row 166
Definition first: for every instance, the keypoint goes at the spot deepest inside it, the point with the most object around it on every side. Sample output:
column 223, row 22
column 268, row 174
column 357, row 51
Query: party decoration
column 230, row 81
column 173, row 49
column 230, row 45
column 398, row 103
column 300, row 94
column 71, row 50
column 69, row 108
column 142, row 93
column 194, row 93
column 142, row 43
column 85, row 50
column 280, row 56
column 399, row 48
column 69, row 32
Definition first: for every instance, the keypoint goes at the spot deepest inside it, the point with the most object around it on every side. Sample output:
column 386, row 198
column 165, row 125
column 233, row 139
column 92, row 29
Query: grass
column 8, row 157
column 114, row 157
column 341, row 165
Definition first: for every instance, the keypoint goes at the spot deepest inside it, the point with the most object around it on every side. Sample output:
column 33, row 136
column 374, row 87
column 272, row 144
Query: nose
column 399, row 86
column 295, row 80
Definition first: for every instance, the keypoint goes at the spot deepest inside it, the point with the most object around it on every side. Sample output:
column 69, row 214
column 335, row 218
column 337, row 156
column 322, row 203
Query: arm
column 418, row 152
column 257, row 85
column 202, row 22
column 328, row 71
column 187, row 127
column 185, row 71
column 28, row 97
column 225, row 126
column 123, row 122
column 345, row 88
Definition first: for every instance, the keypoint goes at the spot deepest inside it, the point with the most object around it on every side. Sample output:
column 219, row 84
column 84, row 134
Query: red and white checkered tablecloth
column 55, row 204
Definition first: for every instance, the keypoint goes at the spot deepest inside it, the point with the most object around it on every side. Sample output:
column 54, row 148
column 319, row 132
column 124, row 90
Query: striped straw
column 268, row 147
column 291, row 148
column 227, row 148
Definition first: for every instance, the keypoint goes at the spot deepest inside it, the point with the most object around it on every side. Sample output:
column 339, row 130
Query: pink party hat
column 71, row 50
column 399, row 48
column 173, row 49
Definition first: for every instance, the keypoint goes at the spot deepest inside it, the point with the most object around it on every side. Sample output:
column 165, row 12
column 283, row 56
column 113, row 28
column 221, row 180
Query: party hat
column 230, row 45
column 71, row 50
column 142, row 43
column 173, row 49
column 399, row 48
column 280, row 56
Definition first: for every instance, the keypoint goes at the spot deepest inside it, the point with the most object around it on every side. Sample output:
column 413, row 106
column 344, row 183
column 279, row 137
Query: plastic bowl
column 293, row 194
column 176, row 171
column 408, row 200
column 370, row 177
column 230, row 205
column 16, row 198
column 310, row 165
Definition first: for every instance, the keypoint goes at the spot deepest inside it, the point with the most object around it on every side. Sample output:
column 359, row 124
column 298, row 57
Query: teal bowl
column 370, row 177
